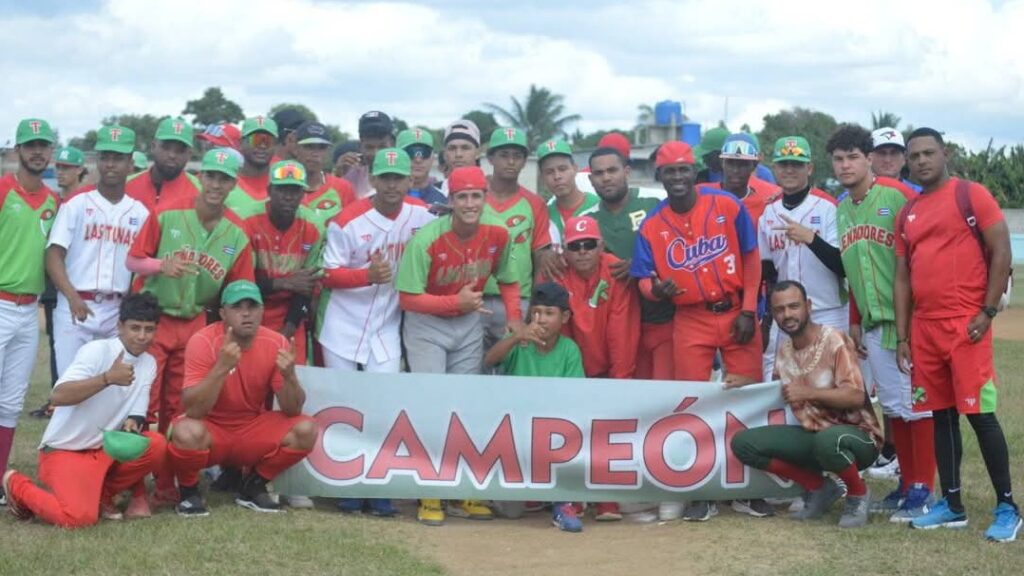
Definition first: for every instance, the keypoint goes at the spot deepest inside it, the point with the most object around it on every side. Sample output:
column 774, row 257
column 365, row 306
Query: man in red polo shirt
column 166, row 181
column 232, row 367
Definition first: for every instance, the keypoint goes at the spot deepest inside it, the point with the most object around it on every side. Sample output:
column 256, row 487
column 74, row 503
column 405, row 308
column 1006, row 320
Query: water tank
column 689, row 132
column 668, row 112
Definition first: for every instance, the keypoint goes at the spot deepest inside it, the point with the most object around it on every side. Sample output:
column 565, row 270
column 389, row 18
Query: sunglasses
column 261, row 139
column 587, row 245
column 289, row 171
column 419, row 152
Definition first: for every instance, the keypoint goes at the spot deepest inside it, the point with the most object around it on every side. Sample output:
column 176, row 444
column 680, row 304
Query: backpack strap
column 963, row 202
column 904, row 212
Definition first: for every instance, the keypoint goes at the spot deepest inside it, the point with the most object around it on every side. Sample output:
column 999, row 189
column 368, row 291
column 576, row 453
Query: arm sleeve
column 829, row 255
column 645, row 285
column 200, row 356
column 339, row 269
column 846, row 366
column 624, row 333
column 243, row 268
column 574, row 362
column 145, row 379
column 429, row 304
column 541, row 223
column 768, row 272
column 745, row 233
column 642, row 264
column 986, row 209
column 143, row 266
column 64, row 225
column 751, row 279
column 414, row 268
column 897, row 228
column 147, row 242
column 510, row 298
column 346, row 277
column 88, row 362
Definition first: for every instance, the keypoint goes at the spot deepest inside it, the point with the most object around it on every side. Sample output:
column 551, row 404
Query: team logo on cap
column 36, row 126
column 551, row 144
column 64, row 154
column 417, row 134
column 178, row 127
column 581, row 226
column 510, row 133
column 260, row 121
column 392, row 158
column 115, row 134
column 888, row 135
column 221, row 157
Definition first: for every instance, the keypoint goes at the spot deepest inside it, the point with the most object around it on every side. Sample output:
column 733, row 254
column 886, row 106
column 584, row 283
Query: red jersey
column 759, row 195
column 244, row 393
column 140, row 186
column 948, row 270
column 605, row 321
column 255, row 186
column 700, row 250
column 327, row 201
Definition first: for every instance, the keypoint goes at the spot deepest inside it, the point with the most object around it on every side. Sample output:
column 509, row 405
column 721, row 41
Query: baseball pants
column 438, row 345
column 19, row 340
column 78, row 479
column 332, row 360
column 654, row 356
column 893, row 387
column 69, row 335
column 832, row 449
column 168, row 349
column 698, row 333
column 835, row 317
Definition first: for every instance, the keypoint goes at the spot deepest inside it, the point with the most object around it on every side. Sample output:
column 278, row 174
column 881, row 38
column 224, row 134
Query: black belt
column 720, row 307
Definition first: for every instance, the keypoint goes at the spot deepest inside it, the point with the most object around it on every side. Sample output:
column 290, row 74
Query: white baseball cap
column 887, row 137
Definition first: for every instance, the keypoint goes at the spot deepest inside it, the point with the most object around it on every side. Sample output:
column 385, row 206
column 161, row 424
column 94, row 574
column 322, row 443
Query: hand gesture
column 470, row 300
column 857, row 335
column 79, row 310
column 532, row 332
column 620, row 269
column 286, row 359
column 742, row 328
column 121, row 373
column 175, row 267
column 663, row 290
column 795, row 231
column 347, row 161
column 551, row 264
column 380, row 269
column 130, row 425
column 230, row 351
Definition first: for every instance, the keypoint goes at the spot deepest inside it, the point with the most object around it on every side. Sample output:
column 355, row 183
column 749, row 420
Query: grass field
column 237, row 541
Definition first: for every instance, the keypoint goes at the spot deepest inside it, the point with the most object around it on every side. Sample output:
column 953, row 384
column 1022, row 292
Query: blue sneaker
column 381, row 508
column 890, row 504
column 564, row 517
column 1006, row 525
column 940, row 516
column 916, row 504
column 350, row 505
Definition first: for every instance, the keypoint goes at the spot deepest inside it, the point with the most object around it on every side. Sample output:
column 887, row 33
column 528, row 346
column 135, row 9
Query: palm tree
column 539, row 115
column 884, row 120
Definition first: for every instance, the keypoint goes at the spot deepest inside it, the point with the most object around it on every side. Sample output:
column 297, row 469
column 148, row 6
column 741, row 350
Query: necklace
column 818, row 349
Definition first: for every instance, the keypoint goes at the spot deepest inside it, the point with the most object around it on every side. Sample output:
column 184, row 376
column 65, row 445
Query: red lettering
column 402, row 433
column 501, row 447
column 704, row 453
column 735, row 471
column 603, row 452
column 543, row 456
column 320, row 460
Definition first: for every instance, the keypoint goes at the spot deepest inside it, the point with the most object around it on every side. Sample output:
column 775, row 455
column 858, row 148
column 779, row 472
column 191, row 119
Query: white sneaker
column 670, row 511
column 645, row 517
column 298, row 502
column 884, row 469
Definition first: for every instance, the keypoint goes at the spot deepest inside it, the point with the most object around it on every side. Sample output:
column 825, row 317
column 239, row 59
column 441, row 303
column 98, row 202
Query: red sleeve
column 200, row 356
column 510, row 298
column 897, row 228
column 346, row 277
column 541, row 220
column 907, row 191
column 854, row 311
column 751, row 279
column 429, row 304
column 243, row 267
column 645, row 285
column 624, row 332
column 345, row 192
column 147, row 242
column 986, row 209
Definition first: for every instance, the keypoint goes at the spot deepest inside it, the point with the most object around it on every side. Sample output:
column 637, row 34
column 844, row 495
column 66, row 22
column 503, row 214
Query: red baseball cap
column 581, row 228
column 222, row 135
column 674, row 152
column 616, row 141
column 466, row 178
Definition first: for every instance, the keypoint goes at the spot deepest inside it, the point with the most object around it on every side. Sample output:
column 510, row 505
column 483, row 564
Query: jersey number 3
column 730, row 264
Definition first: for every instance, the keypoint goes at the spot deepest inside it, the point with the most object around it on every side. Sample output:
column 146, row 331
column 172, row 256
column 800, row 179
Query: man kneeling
column 231, row 368
column 106, row 387
column 837, row 433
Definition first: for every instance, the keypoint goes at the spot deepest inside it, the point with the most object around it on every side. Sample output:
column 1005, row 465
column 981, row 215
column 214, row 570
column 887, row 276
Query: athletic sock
column 186, row 464
column 278, row 461
column 922, row 439
column 6, row 441
column 807, row 479
column 993, row 447
column 854, row 484
column 948, row 453
column 904, row 442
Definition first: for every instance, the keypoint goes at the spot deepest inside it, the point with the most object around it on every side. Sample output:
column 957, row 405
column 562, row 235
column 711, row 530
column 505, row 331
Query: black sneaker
column 254, row 496
column 230, row 480
column 700, row 511
column 192, row 507
column 758, row 507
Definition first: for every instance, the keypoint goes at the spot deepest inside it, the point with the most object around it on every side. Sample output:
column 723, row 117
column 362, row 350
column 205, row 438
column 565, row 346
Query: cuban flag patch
column 720, row 219
column 307, row 247
column 133, row 221
column 815, row 219
column 884, row 212
column 229, row 250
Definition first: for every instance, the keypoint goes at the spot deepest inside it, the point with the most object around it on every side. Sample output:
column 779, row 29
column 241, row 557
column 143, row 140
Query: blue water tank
column 689, row 132
column 668, row 112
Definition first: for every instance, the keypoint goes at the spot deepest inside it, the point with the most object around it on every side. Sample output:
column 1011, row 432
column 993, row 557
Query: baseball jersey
column 759, row 195
column 701, row 250
column 80, row 427
column 327, row 201
column 183, row 187
column 277, row 253
column 438, row 262
column 948, row 269
column 244, row 204
column 256, row 187
column 97, row 236
column 605, row 321
column 243, row 396
column 526, row 218
column 25, row 221
column 867, row 243
column 588, row 205
column 220, row 256
column 796, row 261
column 562, row 361
column 365, row 320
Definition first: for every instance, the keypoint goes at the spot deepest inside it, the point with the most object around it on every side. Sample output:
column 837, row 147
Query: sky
column 953, row 65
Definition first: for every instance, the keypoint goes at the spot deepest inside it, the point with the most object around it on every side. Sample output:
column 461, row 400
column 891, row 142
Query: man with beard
column 257, row 146
column 27, row 209
column 166, row 182
column 836, row 433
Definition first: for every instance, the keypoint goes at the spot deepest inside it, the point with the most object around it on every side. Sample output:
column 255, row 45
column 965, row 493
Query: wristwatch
column 990, row 311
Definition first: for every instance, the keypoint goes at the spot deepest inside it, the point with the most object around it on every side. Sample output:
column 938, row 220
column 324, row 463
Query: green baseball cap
column 124, row 446
column 414, row 136
column 392, row 161
column 792, row 149
column 115, row 139
column 288, row 173
column 31, row 129
column 554, row 147
column 240, row 290
column 220, row 160
column 259, row 124
column 140, row 160
column 712, row 141
column 177, row 129
column 507, row 136
column 69, row 156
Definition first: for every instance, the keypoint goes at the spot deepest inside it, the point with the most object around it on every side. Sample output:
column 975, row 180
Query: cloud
column 954, row 67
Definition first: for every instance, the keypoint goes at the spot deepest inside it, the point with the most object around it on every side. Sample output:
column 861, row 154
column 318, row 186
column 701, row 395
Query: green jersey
column 219, row 256
column 526, row 218
column 25, row 221
column 563, row 361
column 242, row 204
column 867, row 242
column 327, row 201
column 558, row 218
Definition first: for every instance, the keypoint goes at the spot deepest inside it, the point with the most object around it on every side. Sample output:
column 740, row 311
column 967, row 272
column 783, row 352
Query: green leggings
column 831, row 450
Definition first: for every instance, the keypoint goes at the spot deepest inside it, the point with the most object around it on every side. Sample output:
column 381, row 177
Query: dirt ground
column 1009, row 325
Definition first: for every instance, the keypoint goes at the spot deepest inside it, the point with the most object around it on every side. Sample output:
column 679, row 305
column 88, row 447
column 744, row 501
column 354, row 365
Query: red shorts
column 948, row 369
column 249, row 443
column 698, row 333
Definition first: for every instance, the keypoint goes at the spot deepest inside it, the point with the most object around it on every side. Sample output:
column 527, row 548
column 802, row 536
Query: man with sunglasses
column 166, row 182
column 740, row 157
column 257, row 147
column 326, row 194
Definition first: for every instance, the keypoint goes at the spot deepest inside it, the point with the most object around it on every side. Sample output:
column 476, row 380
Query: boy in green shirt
column 539, row 349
